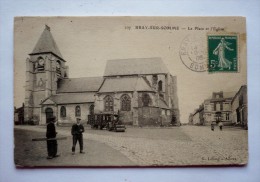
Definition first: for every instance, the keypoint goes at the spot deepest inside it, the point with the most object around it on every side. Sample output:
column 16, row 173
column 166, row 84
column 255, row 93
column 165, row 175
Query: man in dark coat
column 50, row 134
column 76, row 131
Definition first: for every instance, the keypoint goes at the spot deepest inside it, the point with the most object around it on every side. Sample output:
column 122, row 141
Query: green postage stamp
column 222, row 53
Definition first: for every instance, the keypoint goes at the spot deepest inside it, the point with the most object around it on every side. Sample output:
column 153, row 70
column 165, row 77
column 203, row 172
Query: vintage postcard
column 130, row 91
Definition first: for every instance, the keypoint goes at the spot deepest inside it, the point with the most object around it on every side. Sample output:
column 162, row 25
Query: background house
column 197, row 117
column 19, row 115
column 229, row 107
column 220, row 102
column 239, row 107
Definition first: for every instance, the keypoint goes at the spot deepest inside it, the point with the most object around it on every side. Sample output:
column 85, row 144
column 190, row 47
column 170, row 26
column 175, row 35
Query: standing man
column 76, row 131
column 220, row 124
column 213, row 125
column 51, row 142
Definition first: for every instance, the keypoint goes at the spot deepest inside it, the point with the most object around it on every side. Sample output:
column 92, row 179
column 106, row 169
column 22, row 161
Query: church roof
column 135, row 66
column 124, row 84
column 71, row 98
column 46, row 44
column 84, row 84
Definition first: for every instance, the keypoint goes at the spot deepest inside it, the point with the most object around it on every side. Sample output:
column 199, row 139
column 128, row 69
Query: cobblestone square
column 175, row 146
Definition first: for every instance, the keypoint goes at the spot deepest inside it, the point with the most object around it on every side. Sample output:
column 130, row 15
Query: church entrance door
column 49, row 114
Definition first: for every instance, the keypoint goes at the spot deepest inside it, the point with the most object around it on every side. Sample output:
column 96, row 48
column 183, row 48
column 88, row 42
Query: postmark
column 193, row 53
column 222, row 53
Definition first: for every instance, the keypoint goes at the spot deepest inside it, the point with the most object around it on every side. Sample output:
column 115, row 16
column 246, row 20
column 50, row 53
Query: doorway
column 49, row 114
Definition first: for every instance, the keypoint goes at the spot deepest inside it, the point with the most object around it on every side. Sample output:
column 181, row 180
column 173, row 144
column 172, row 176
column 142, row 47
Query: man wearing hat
column 50, row 134
column 76, row 131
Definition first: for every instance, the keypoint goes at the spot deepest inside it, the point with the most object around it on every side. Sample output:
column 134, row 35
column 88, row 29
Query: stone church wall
column 159, row 78
column 38, row 97
column 166, row 116
column 140, row 99
column 99, row 102
column 149, row 116
column 70, row 113
column 126, row 117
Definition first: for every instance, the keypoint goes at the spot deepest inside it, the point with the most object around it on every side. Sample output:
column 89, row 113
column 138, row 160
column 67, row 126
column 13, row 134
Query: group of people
column 220, row 124
column 52, row 145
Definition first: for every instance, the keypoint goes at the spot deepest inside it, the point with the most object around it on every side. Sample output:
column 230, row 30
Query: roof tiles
column 135, row 66
column 46, row 44
column 84, row 84
column 72, row 98
column 124, row 84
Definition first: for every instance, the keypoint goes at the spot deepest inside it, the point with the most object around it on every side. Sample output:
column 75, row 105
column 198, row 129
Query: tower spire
column 46, row 44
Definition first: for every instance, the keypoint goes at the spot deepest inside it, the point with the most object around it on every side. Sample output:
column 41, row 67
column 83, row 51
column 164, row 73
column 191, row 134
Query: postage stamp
column 222, row 53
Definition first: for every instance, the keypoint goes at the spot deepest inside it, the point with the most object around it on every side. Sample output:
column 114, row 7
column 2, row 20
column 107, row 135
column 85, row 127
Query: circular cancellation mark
column 193, row 53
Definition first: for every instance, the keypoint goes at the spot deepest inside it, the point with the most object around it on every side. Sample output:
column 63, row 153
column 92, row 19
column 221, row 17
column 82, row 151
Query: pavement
column 30, row 153
column 173, row 146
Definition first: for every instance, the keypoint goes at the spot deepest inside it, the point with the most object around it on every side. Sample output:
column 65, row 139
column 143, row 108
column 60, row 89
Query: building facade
column 19, row 115
column 141, row 90
column 197, row 117
column 218, row 107
column 229, row 107
column 239, row 107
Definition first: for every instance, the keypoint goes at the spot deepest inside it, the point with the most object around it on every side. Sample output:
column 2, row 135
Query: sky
column 87, row 43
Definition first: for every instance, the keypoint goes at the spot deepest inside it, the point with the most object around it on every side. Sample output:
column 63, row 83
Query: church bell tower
column 44, row 68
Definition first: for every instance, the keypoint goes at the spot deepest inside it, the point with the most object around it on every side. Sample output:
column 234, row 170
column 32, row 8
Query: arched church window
column 146, row 99
column 91, row 109
column 39, row 65
column 58, row 68
column 77, row 111
column 109, row 103
column 63, row 111
column 160, row 86
column 125, row 103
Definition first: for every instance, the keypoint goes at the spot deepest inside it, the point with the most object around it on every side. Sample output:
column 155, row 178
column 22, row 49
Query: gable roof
column 226, row 95
column 85, row 84
column 71, row 98
column 135, row 66
column 46, row 44
column 49, row 101
column 124, row 84
column 243, row 87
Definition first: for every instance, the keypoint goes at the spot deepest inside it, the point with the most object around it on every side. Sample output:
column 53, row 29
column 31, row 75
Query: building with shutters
column 218, row 107
column 228, row 107
column 141, row 90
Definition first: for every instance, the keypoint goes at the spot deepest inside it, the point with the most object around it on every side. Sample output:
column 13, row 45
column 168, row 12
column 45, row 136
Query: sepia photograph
column 130, row 91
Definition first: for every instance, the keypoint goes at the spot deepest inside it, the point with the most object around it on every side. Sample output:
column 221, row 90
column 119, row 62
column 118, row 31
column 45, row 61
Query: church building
column 140, row 90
